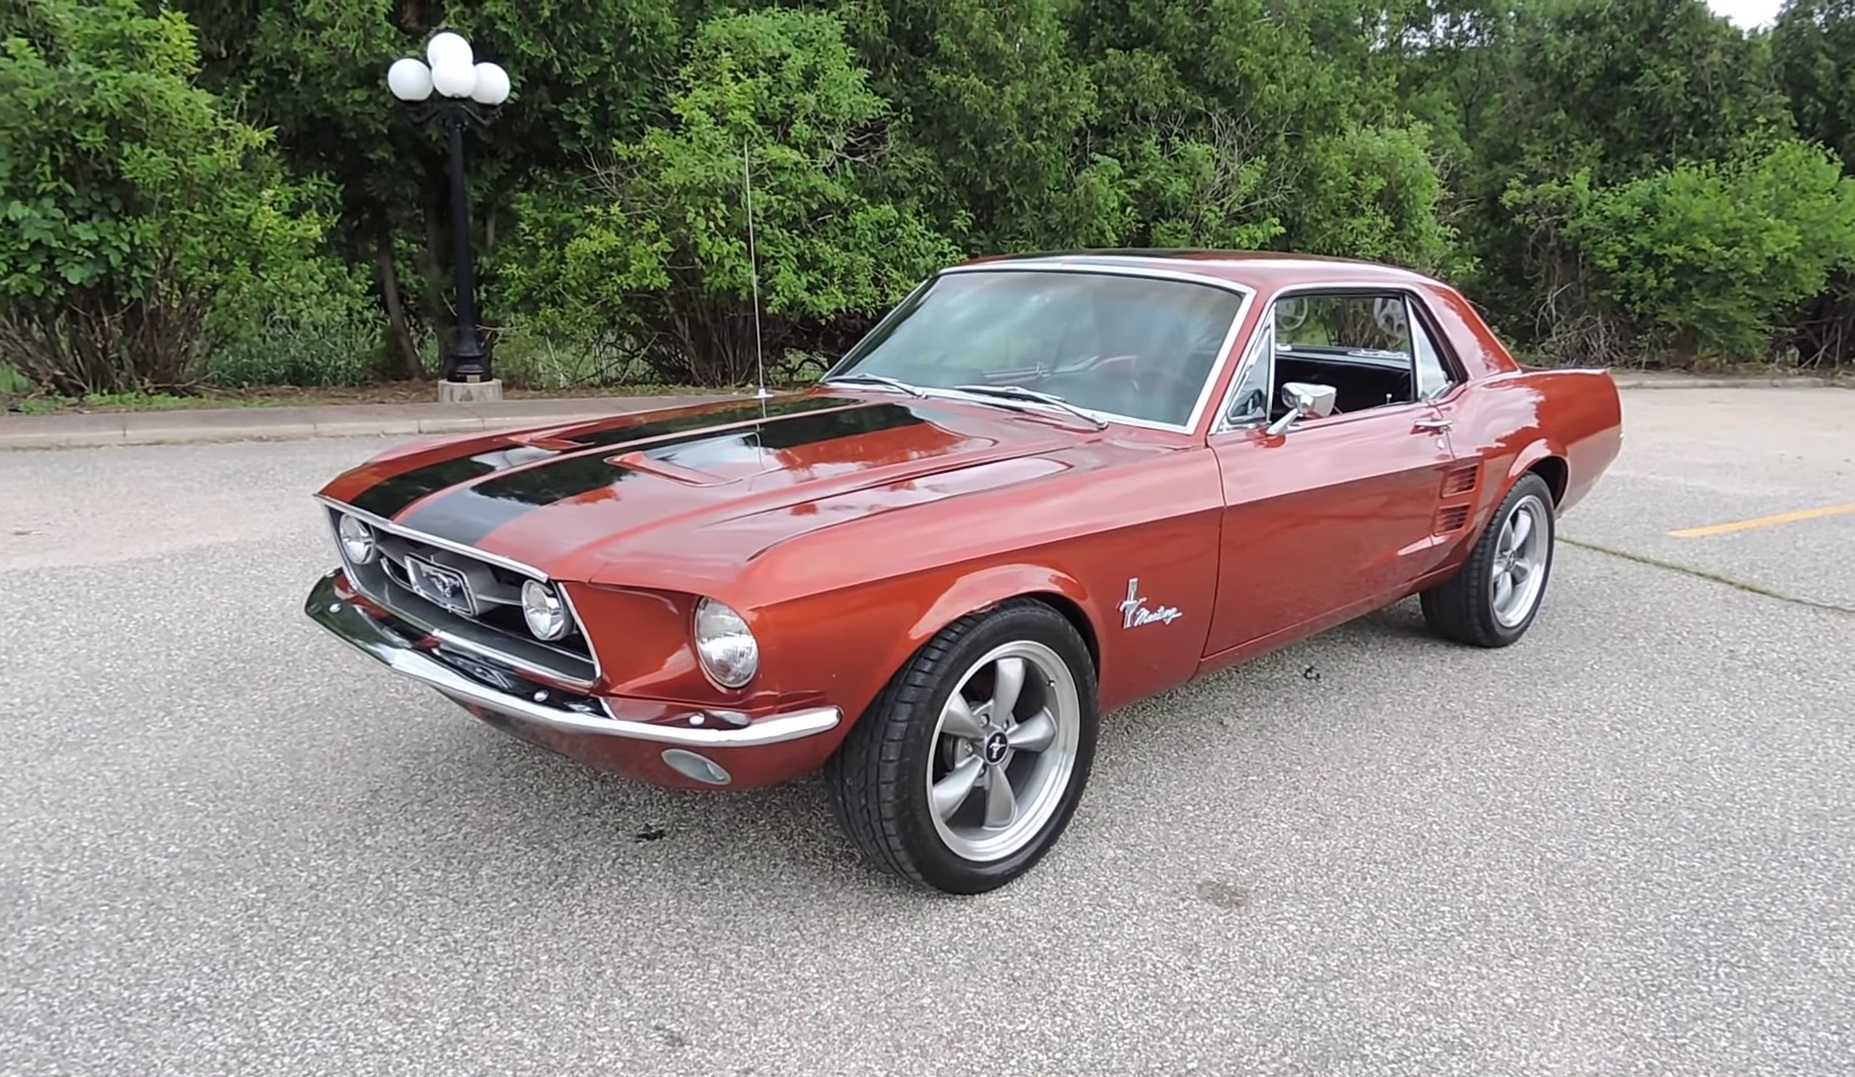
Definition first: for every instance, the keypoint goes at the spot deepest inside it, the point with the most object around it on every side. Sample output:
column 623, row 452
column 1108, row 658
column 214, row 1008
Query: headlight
column 729, row 653
column 357, row 540
column 545, row 613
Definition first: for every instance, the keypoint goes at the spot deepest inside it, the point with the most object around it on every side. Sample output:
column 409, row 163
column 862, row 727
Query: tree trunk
column 398, row 330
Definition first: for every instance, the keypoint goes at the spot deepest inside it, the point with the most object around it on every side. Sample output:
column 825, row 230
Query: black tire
column 878, row 776
column 1462, row 608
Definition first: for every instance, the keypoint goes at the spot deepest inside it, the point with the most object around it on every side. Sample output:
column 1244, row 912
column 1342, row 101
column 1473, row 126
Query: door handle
column 1435, row 426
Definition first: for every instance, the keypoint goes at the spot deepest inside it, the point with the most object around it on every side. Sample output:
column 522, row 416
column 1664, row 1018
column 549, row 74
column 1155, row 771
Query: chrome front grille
column 489, row 624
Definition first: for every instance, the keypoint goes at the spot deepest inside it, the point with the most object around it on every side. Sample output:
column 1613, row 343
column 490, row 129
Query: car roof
column 1261, row 270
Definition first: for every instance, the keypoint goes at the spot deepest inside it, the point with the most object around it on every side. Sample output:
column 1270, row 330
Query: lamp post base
column 470, row 392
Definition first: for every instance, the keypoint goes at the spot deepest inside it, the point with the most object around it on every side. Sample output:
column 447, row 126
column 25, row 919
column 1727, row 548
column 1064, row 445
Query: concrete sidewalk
column 361, row 420
column 319, row 421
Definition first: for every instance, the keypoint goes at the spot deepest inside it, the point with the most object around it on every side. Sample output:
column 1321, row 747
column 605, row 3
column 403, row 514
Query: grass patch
column 1704, row 574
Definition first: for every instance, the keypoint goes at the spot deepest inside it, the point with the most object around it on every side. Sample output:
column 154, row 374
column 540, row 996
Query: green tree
column 655, row 242
column 1813, row 50
column 134, row 203
column 1611, row 91
column 1248, row 123
column 583, row 72
column 1706, row 257
column 998, row 119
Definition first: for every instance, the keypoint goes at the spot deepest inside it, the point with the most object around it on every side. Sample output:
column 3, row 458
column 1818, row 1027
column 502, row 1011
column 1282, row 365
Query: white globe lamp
column 410, row 80
column 454, row 79
column 448, row 47
column 492, row 85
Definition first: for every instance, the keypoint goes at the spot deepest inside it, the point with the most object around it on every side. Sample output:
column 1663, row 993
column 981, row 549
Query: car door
column 1326, row 519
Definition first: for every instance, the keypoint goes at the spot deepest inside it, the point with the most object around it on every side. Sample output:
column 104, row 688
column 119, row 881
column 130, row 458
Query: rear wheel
column 1492, row 600
column 968, row 766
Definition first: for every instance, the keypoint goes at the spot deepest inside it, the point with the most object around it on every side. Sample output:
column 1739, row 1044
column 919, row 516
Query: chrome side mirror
column 1305, row 400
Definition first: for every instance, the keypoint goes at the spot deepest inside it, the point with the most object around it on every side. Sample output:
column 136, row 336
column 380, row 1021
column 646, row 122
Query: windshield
column 1126, row 345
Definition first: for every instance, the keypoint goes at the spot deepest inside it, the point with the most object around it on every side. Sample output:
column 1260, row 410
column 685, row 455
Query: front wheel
column 968, row 766
column 1492, row 600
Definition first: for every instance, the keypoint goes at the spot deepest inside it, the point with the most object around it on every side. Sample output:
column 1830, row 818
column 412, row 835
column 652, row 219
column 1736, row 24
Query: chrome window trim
column 1419, row 312
column 1265, row 334
column 1135, row 269
column 1222, row 425
column 851, row 354
column 511, row 564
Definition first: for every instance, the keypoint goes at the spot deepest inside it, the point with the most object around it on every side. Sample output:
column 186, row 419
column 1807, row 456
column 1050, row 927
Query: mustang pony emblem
column 445, row 586
column 1134, row 612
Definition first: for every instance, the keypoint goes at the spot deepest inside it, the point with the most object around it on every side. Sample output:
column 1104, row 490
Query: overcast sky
column 1747, row 13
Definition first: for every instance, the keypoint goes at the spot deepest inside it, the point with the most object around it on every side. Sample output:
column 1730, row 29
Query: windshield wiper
column 876, row 379
column 1031, row 394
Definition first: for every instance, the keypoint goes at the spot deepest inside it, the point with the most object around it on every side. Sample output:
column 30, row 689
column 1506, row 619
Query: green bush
column 131, row 199
column 1374, row 193
column 1706, row 258
column 311, row 322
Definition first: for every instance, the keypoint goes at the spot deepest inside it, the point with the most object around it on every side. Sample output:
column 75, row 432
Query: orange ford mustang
column 1042, row 488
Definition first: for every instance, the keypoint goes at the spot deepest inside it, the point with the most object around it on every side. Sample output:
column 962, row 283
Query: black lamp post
column 469, row 92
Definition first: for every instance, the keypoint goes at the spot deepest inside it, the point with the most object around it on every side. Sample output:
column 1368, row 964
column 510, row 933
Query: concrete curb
column 408, row 420
column 325, row 421
column 1653, row 380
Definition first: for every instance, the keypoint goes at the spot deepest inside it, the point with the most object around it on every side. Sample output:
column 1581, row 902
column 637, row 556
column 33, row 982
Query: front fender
column 846, row 645
column 990, row 586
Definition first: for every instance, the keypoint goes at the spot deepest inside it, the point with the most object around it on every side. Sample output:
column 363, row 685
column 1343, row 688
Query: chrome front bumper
column 402, row 654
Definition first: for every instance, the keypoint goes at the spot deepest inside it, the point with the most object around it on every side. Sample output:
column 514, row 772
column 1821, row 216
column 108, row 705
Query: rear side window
column 1433, row 376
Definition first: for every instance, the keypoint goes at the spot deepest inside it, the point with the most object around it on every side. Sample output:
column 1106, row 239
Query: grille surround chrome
column 384, row 581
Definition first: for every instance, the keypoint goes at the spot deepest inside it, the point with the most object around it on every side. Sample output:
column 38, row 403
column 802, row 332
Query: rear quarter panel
column 1512, row 421
column 1511, row 417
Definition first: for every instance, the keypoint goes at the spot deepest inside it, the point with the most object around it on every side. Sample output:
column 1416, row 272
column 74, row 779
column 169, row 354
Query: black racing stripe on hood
column 620, row 435
column 390, row 496
column 469, row 514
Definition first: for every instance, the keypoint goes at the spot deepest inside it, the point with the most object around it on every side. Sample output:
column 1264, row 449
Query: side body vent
column 1461, row 480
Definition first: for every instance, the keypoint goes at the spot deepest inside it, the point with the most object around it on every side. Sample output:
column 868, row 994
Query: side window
column 1433, row 376
column 1370, row 324
column 1249, row 402
column 1359, row 343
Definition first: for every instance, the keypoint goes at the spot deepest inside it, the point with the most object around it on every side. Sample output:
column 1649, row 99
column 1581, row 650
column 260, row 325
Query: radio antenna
column 753, row 272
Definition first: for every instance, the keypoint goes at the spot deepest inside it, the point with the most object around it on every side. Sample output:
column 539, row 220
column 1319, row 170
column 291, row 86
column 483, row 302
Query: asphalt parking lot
column 1624, row 846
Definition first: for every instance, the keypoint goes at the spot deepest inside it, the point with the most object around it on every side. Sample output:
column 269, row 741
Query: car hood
column 715, row 483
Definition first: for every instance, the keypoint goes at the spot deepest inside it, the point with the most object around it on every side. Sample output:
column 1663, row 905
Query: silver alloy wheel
column 1001, row 762
column 1520, row 554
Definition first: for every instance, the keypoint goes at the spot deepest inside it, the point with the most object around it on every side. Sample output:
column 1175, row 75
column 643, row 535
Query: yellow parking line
column 1765, row 521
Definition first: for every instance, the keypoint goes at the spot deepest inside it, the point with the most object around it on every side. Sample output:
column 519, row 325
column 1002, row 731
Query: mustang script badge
column 1134, row 612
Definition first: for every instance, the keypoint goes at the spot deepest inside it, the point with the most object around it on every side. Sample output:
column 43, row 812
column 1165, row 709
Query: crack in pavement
column 1701, row 573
